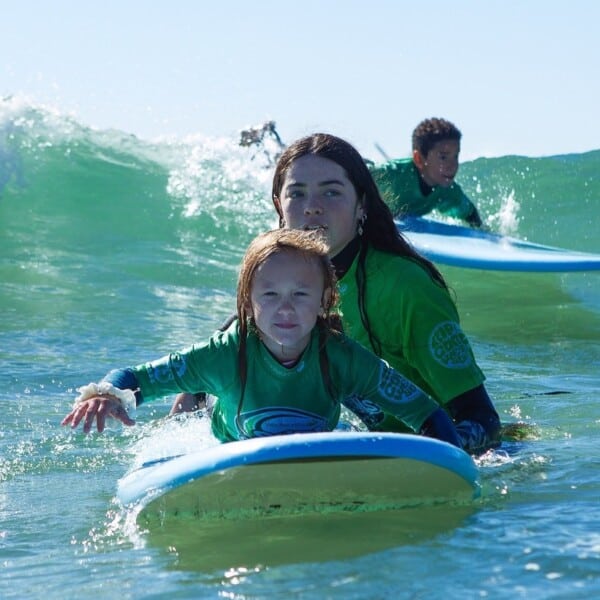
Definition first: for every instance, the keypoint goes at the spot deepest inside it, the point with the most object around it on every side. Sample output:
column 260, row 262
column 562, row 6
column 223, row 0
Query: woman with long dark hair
column 393, row 300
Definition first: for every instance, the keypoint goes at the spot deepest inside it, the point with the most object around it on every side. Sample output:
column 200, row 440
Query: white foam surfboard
column 465, row 247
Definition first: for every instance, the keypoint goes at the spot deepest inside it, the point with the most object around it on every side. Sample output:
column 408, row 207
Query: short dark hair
column 431, row 131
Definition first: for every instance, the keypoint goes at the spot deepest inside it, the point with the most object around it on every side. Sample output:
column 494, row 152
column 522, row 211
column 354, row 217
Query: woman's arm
column 477, row 422
column 438, row 425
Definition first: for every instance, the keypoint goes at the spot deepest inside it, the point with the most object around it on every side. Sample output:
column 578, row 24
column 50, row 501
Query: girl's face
column 286, row 299
column 317, row 194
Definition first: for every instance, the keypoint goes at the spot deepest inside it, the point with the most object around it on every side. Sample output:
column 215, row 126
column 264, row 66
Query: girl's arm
column 97, row 401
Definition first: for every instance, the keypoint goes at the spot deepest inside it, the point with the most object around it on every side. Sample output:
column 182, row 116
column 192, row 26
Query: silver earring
column 361, row 222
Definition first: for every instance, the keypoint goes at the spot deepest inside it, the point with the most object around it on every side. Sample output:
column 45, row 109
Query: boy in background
column 416, row 186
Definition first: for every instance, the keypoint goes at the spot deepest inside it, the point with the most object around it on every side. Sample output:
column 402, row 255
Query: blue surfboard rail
column 465, row 247
column 158, row 478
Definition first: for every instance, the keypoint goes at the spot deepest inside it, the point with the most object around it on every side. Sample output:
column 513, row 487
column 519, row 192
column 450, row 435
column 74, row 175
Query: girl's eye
column 331, row 193
column 294, row 194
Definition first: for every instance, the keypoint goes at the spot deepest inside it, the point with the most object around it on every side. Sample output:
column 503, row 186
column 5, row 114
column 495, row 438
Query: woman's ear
column 362, row 211
column 277, row 203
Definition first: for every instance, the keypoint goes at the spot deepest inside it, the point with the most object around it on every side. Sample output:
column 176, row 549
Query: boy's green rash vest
column 278, row 400
column 398, row 181
column 416, row 323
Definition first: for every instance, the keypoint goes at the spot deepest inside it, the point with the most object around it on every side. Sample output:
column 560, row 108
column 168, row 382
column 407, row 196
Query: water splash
column 506, row 219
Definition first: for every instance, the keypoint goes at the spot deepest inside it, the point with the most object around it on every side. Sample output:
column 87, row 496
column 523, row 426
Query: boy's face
column 440, row 165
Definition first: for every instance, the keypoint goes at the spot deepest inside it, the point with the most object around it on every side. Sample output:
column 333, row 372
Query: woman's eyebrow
column 320, row 183
column 332, row 181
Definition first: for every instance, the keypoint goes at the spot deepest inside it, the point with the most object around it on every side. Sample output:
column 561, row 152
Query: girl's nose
column 286, row 307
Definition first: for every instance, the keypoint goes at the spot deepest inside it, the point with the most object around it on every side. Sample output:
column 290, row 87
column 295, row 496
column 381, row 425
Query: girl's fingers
column 97, row 409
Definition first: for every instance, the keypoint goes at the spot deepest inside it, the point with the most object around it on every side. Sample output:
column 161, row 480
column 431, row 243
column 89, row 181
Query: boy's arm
column 473, row 218
column 454, row 202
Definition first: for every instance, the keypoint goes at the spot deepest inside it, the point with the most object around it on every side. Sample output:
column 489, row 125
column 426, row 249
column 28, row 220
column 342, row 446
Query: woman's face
column 317, row 194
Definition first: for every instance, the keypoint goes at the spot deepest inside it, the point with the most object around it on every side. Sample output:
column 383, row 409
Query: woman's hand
column 97, row 408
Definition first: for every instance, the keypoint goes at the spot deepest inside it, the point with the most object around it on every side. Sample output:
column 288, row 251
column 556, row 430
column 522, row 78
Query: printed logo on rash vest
column 280, row 421
column 162, row 370
column 449, row 346
column 395, row 387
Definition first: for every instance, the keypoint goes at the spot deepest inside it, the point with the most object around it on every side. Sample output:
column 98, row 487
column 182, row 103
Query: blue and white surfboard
column 302, row 473
column 471, row 248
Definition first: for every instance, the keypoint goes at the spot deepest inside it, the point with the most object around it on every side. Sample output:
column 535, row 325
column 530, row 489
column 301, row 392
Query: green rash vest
column 399, row 184
column 416, row 323
column 280, row 400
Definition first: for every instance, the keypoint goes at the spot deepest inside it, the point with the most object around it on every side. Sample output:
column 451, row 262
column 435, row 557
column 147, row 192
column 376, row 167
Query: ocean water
column 115, row 250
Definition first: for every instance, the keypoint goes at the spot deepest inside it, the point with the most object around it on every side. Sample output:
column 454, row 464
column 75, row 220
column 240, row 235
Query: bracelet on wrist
column 104, row 388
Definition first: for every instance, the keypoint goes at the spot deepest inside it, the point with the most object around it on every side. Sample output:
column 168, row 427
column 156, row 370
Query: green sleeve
column 398, row 183
column 453, row 201
column 206, row 366
column 416, row 323
column 364, row 376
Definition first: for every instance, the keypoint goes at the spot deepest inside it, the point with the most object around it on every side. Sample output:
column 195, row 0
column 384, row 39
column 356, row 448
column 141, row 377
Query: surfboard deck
column 287, row 475
column 471, row 248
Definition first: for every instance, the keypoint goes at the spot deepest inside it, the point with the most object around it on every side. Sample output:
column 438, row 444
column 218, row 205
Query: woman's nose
column 313, row 205
column 313, row 210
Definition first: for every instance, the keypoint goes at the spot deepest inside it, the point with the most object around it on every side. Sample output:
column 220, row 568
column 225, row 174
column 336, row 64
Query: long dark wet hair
column 379, row 229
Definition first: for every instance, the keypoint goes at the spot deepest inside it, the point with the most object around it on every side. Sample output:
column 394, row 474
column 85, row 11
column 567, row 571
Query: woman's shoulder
column 395, row 266
column 340, row 345
column 403, row 281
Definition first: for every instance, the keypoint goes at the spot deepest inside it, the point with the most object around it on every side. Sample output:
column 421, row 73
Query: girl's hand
column 97, row 408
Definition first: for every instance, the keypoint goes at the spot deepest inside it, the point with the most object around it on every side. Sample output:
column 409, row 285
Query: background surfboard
column 471, row 248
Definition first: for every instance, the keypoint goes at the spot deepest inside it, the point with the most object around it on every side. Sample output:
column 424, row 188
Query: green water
column 114, row 250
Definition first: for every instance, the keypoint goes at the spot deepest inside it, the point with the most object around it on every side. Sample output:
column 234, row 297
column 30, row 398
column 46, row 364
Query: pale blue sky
column 517, row 77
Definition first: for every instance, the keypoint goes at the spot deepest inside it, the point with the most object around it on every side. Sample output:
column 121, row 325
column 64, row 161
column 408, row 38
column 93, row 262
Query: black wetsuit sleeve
column 438, row 425
column 477, row 422
column 473, row 219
